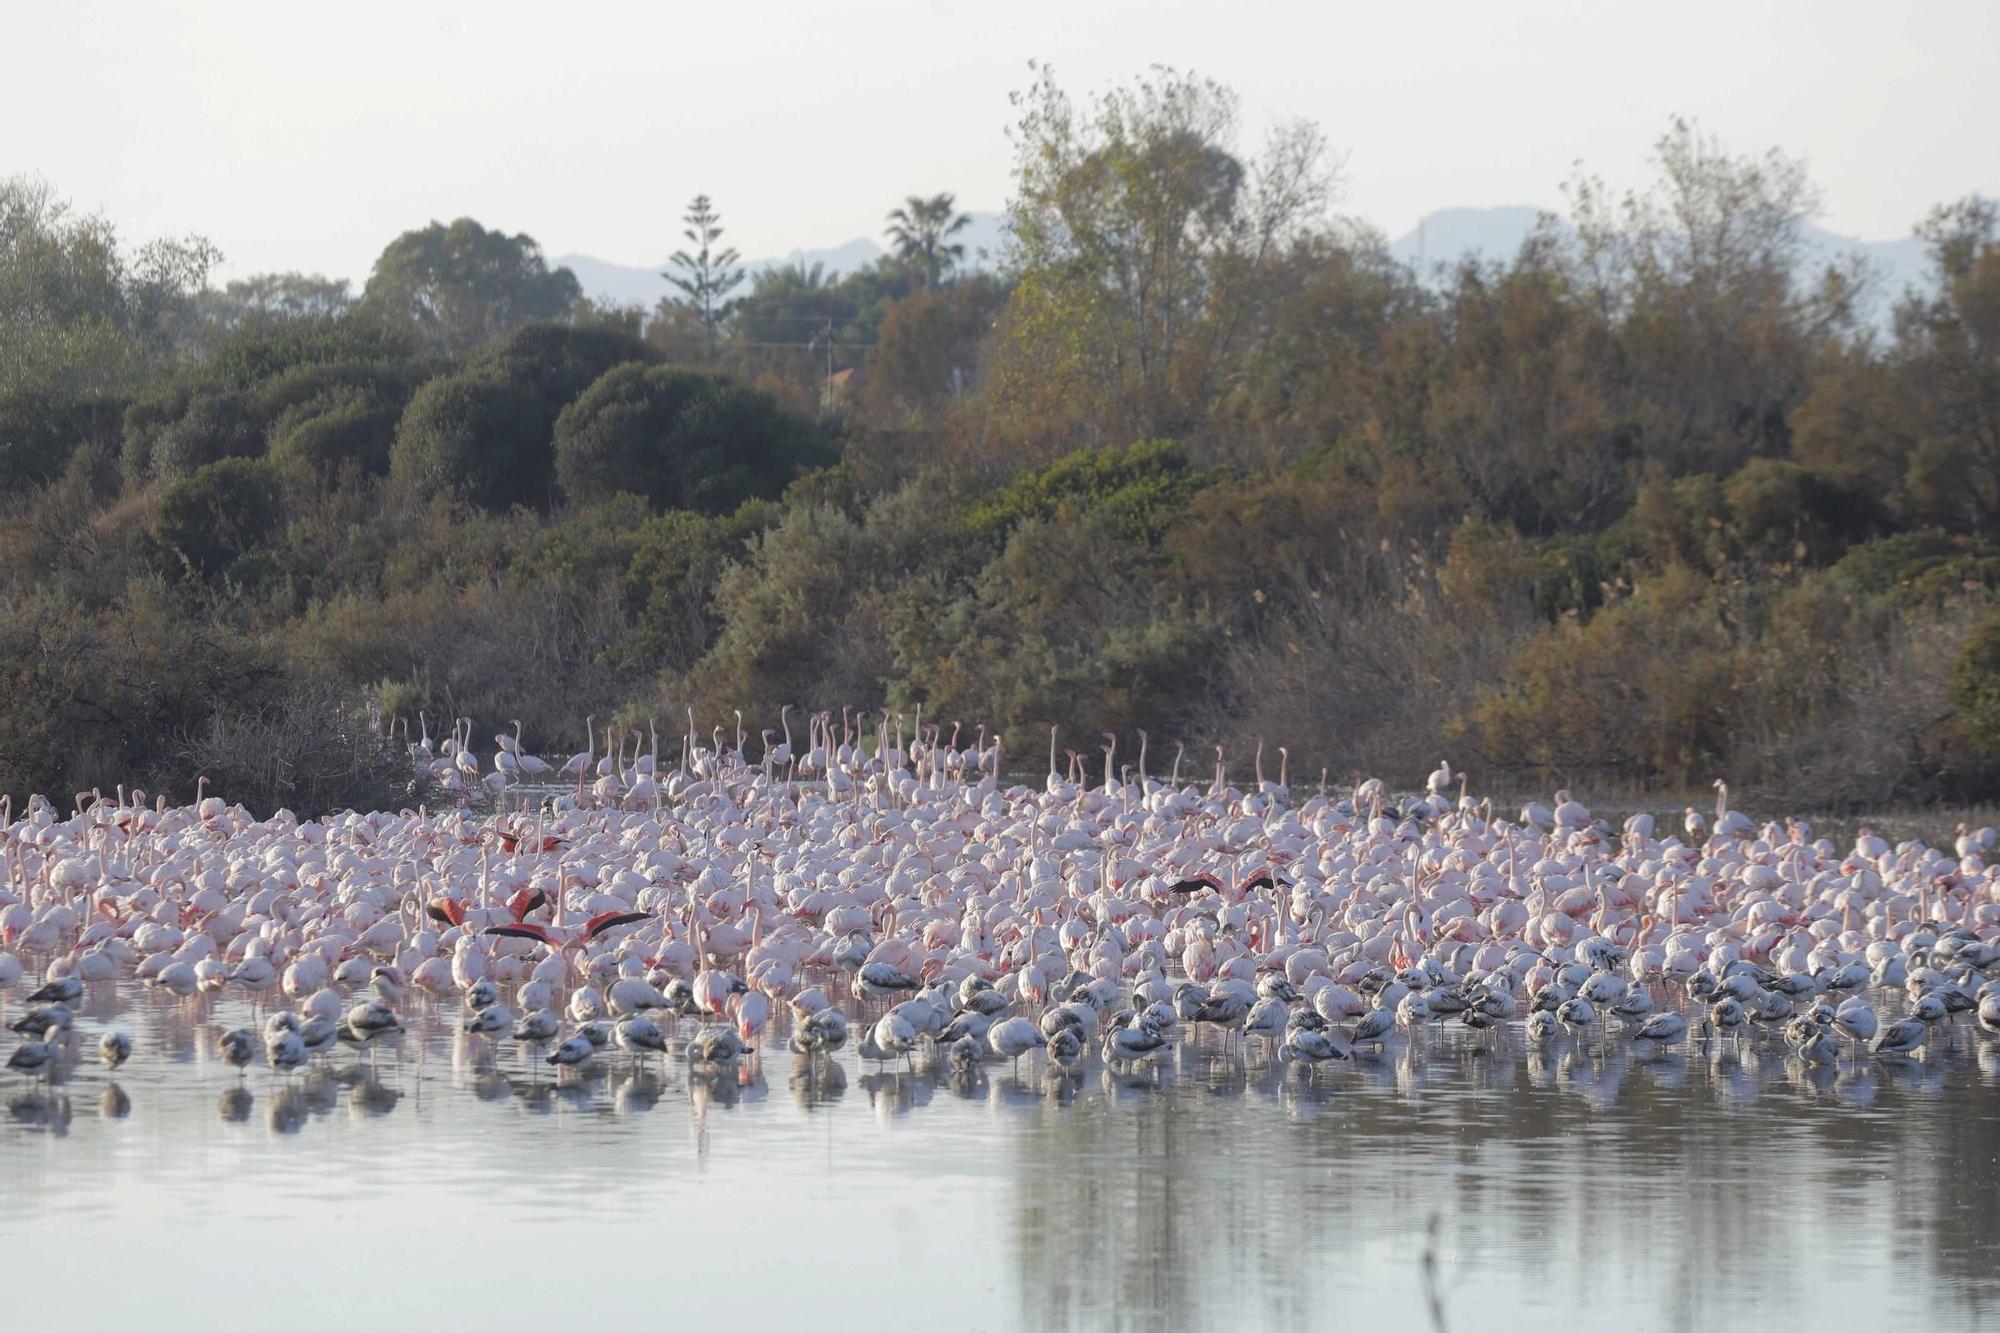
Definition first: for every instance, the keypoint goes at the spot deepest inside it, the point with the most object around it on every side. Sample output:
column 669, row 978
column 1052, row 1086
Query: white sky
column 306, row 136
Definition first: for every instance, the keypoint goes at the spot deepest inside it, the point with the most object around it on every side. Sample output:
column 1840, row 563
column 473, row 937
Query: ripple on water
column 1573, row 1184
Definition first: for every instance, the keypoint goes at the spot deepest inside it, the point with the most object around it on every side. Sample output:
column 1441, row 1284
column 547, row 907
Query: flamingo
column 36, row 1058
column 565, row 942
column 573, row 1051
column 238, row 1046
column 1089, row 913
column 639, row 1035
column 1011, row 1038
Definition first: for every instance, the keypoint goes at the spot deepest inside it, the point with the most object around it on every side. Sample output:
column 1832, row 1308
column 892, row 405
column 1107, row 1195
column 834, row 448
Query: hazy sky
column 306, row 136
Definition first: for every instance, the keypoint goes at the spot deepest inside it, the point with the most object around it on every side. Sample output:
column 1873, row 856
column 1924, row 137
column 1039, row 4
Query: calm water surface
column 458, row 1183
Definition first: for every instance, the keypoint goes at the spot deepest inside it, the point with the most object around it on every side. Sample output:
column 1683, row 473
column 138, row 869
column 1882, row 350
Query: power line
column 812, row 346
column 813, row 321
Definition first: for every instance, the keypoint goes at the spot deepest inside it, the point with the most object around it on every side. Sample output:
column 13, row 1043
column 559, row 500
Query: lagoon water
column 457, row 1183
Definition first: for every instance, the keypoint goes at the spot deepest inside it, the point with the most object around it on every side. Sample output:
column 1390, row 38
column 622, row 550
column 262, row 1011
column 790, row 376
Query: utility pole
column 826, row 385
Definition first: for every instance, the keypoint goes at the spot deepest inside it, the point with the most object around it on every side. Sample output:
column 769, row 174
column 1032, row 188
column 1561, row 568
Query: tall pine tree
column 707, row 275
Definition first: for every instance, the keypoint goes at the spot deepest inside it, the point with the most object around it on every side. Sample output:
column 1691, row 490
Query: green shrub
column 1785, row 512
column 221, row 513
column 172, row 433
column 476, row 437
column 683, row 439
column 1924, row 566
column 345, row 424
column 39, row 431
column 669, row 588
column 1975, row 688
column 1137, row 488
column 486, row 434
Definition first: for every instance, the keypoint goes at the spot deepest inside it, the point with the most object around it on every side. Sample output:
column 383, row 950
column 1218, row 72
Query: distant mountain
column 616, row 284
column 1443, row 238
column 1453, row 234
column 624, row 284
column 984, row 241
column 1899, row 264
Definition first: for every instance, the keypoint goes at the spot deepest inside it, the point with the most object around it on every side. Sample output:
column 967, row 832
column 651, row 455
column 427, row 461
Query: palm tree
column 792, row 277
column 920, row 231
column 791, row 304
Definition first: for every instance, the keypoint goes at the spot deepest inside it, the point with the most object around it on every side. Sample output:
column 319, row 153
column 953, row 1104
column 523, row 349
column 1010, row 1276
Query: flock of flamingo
column 895, row 890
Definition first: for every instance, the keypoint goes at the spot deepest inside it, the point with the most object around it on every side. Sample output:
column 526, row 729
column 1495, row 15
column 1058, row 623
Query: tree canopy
column 683, row 439
column 485, row 435
column 82, row 316
column 1140, row 244
column 461, row 285
column 920, row 230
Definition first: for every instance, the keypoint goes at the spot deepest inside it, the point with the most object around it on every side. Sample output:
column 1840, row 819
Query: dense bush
column 476, row 437
column 39, row 431
column 98, row 698
column 682, row 439
column 185, row 427
column 343, row 426
column 221, row 513
column 310, row 751
column 258, row 382
column 669, row 585
column 1640, row 505
column 1136, row 489
column 1921, row 566
column 1975, row 687
column 486, row 434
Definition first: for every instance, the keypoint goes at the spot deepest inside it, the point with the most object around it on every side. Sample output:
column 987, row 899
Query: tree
column 676, row 332
column 683, row 439
column 163, row 296
column 1947, row 357
column 463, row 285
column 62, row 302
column 485, row 435
column 1699, row 274
column 927, row 352
column 708, row 275
column 921, row 230
column 780, row 330
column 78, row 315
column 1139, row 241
column 1318, row 364
column 276, row 296
column 1511, row 401
column 229, row 403
column 1918, row 423
column 790, row 304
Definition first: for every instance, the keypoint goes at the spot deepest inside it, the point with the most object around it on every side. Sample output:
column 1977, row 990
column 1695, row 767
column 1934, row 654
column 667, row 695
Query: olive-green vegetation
column 1658, row 498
